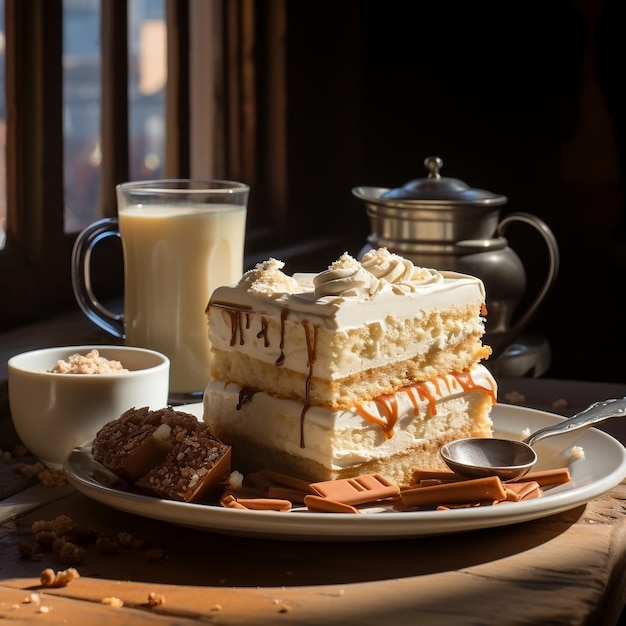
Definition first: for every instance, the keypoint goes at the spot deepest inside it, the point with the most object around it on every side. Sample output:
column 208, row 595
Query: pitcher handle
column 554, row 261
column 86, row 241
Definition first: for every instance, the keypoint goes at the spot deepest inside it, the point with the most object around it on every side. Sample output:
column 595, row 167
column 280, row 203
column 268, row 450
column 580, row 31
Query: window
column 3, row 170
column 147, row 75
column 250, row 91
column 87, row 108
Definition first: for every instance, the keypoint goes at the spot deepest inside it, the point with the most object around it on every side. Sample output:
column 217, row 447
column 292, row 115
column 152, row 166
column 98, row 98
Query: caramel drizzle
column 388, row 403
column 311, row 348
column 468, row 384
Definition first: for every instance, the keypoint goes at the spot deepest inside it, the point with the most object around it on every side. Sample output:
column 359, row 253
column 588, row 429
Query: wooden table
column 568, row 568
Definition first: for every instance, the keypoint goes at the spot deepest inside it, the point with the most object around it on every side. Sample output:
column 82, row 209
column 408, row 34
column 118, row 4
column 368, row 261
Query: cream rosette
column 400, row 272
column 346, row 277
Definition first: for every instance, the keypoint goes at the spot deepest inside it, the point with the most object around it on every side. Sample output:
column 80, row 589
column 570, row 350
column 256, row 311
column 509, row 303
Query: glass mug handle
column 86, row 241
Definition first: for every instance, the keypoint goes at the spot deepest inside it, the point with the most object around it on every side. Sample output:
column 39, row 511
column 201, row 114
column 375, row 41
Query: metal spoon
column 477, row 457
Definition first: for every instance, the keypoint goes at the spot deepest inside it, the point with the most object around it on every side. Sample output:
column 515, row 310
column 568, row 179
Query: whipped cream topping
column 346, row 277
column 379, row 270
column 268, row 278
column 395, row 269
column 347, row 295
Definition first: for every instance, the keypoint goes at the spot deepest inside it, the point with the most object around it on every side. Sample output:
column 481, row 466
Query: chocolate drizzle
column 235, row 311
column 245, row 396
column 236, row 334
column 263, row 333
column 281, row 357
column 311, row 348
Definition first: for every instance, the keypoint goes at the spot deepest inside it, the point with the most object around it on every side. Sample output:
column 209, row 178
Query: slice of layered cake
column 366, row 367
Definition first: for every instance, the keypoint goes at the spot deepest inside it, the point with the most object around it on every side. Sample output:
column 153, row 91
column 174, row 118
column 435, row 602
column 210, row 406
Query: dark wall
column 523, row 99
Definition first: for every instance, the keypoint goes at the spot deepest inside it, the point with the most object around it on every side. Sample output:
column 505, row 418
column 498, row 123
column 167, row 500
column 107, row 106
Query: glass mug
column 180, row 240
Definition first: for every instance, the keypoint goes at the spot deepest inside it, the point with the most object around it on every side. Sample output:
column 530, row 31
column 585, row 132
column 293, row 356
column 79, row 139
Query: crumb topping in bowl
column 90, row 363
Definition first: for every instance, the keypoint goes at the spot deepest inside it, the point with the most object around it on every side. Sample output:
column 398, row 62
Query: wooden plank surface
column 565, row 569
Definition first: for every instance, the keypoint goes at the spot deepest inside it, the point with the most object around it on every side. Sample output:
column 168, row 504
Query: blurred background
column 524, row 100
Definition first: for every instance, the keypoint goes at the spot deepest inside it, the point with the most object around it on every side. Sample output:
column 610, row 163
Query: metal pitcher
column 443, row 223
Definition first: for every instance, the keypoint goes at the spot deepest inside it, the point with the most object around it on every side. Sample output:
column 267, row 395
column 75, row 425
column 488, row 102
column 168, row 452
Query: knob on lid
column 436, row 188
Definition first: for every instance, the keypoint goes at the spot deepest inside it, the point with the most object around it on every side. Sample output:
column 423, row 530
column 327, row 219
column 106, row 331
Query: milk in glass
column 174, row 256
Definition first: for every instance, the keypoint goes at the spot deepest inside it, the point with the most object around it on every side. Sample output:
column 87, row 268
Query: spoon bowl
column 477, row 457
column 505, row 458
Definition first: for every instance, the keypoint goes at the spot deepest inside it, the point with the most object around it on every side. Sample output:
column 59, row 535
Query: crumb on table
column 515, row 397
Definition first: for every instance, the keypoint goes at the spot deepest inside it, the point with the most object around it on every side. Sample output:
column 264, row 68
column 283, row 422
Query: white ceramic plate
column 602, row 468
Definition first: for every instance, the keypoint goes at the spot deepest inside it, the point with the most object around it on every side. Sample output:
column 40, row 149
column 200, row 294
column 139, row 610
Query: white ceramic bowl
column 52, row 413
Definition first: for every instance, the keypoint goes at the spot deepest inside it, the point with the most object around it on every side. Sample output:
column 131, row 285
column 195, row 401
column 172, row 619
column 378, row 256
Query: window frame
column 246, row 120
column 36, row 249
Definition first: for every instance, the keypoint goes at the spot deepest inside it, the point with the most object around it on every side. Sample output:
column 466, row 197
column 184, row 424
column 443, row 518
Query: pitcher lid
column 436, row 188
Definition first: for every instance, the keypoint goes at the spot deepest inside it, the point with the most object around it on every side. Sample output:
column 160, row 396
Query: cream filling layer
column 339, row 439
column 275, row 335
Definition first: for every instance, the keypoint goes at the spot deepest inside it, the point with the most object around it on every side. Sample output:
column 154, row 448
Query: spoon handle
column 593, row 414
